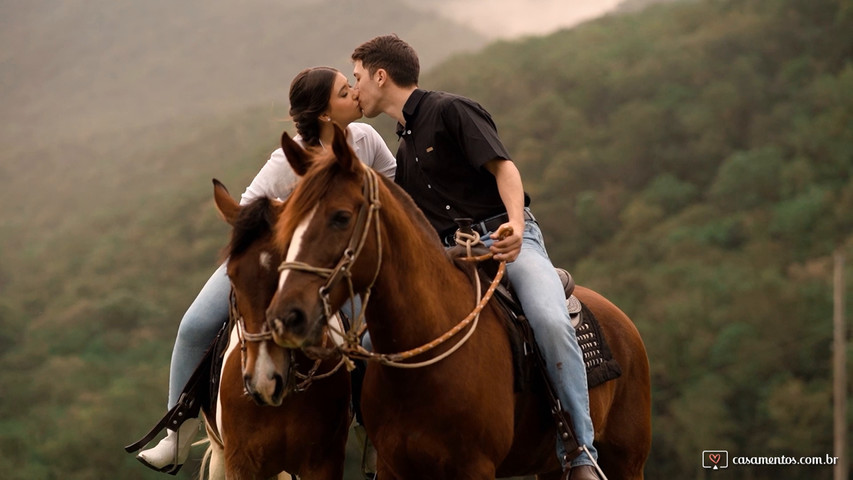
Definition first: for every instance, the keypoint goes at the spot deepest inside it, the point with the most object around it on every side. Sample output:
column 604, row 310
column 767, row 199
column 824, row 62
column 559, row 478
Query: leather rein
column 351, row 348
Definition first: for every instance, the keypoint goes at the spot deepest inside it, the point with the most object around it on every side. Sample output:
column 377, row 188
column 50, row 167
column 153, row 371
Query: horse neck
column 419, row 294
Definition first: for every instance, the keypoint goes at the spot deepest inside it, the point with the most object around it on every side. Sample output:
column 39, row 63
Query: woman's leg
column 197, row 330
column 199, row 326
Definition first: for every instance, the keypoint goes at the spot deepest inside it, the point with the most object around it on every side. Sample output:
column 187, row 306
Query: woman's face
column 343, row 103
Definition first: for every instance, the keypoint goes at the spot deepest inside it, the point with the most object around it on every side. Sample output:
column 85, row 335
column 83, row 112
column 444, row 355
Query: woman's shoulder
column 360, row 130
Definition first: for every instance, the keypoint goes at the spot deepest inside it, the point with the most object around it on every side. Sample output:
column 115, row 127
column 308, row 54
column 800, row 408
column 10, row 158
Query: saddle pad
column 600, row 365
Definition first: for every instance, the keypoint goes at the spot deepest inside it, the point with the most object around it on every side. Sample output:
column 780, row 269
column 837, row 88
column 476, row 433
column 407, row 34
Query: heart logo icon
column 714, row 457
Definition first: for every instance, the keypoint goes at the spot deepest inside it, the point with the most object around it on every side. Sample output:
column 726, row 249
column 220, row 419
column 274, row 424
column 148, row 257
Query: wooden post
column 839, row 362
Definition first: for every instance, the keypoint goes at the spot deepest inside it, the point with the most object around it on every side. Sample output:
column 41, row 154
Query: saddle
column 598, row 359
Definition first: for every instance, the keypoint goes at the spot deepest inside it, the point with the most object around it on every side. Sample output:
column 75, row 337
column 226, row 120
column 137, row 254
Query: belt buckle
column 480, row 227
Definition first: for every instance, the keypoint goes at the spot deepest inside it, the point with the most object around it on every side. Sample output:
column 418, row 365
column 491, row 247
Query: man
column 453, row 164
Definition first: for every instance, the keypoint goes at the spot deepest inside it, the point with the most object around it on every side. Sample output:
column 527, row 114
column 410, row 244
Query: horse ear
column 346, row 157
column 225, row 205
column 297, row 157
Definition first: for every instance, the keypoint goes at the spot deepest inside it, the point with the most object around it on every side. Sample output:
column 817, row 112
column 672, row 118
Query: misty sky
column 512, row 18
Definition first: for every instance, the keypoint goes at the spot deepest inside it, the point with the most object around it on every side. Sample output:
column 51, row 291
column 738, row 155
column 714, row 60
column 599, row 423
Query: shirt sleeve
column 475, row 131
column 376, row 153
column 276, row 179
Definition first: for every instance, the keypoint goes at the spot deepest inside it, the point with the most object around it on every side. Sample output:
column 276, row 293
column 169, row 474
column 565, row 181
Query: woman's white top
column 276, row 179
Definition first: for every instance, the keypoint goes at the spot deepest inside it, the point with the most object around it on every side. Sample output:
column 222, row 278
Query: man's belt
column 484, row 227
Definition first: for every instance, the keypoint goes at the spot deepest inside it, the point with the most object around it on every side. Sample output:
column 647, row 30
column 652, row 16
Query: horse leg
column 621, row 462
column 556, row 475
column 329, row 471
column 215, row 456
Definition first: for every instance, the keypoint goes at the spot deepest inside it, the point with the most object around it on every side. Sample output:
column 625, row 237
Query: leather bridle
column 369, row 214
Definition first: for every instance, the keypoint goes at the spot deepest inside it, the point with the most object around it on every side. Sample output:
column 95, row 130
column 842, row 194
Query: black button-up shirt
column 443, row 147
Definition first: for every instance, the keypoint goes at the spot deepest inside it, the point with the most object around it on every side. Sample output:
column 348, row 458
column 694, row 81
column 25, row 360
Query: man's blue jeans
column 543, row 299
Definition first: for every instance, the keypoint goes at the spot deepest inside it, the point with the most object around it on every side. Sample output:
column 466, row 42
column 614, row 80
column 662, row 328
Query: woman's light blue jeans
column 543, row 299
column 198, row 328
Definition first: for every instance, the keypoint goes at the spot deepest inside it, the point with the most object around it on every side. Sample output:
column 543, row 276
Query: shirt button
column 409, row 132
column 447, row 207
column 429, row 186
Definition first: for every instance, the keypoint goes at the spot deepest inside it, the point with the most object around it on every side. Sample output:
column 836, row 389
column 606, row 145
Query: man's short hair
column 392, row 54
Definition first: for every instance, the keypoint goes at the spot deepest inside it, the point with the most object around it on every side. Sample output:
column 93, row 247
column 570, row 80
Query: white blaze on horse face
column 265, row 260
column 296, row 244
column 265, row 371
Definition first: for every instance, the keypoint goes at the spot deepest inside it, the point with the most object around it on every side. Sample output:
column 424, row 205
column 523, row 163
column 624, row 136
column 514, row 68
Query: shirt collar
column 410, row 108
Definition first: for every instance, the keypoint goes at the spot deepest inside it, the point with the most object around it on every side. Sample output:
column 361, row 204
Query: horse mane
column 254, row 220
column 415, row 213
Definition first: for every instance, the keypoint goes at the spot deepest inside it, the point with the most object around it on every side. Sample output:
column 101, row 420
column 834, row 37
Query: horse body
column 264, row 427
column 458, row 418
column 474, row 418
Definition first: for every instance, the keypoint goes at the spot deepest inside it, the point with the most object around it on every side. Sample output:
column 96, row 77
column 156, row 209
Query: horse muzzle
column 270, row 392
column 292, row 329
column 265, row 375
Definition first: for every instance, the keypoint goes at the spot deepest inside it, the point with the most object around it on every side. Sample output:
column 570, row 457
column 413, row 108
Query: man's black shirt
column 443, row 147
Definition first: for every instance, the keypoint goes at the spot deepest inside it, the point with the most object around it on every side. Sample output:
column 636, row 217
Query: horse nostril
column 295, row 318
column 278, row 391
column 276, row 325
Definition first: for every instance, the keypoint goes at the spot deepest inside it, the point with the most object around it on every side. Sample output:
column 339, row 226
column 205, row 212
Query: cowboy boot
column 169, row 455
column 583, row 472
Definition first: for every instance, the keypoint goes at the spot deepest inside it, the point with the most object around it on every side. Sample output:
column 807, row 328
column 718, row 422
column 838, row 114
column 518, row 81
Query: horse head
column 326, row 235
column 252, row 263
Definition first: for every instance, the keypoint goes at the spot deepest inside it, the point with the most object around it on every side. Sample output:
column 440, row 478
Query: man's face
column 367, row 90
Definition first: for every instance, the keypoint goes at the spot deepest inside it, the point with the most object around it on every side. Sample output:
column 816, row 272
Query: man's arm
column 512, row 194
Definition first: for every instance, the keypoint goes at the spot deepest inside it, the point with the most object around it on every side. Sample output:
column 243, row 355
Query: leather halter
column 367, row 214
column 352, row 347
column 236, row 318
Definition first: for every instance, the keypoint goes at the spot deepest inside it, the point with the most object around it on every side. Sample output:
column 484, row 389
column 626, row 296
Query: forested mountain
column 79, row 67
column 693, row 162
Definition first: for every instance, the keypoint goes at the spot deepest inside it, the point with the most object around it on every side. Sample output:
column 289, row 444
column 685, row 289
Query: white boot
column 170, row 454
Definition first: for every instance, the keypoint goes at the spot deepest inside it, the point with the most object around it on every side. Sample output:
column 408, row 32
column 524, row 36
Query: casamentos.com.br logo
column 719, row 459
column 715, row 459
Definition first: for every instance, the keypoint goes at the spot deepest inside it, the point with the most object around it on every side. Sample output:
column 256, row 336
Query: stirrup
column 181, row 441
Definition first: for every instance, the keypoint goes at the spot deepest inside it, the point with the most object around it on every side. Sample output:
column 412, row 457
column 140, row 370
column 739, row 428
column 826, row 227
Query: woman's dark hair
column 310, row 92
column 389, row 52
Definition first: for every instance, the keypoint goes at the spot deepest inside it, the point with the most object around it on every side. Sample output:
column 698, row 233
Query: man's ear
column 381, row 76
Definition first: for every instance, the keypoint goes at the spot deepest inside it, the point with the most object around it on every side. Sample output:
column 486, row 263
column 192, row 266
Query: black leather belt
column 486, row 226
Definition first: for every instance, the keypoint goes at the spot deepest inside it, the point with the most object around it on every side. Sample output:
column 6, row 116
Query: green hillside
column 693, row 162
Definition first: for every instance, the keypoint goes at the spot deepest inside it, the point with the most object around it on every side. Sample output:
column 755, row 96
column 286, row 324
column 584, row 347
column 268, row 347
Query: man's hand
column 507, row 241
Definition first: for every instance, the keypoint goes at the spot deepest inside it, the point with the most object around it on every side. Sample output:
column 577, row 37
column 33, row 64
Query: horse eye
column 340, row 219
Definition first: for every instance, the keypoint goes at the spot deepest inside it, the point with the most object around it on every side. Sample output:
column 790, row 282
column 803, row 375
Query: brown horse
column 275, row 427
column 458, row 418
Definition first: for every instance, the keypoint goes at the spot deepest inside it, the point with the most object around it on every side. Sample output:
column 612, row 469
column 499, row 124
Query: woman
column 319, row 97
